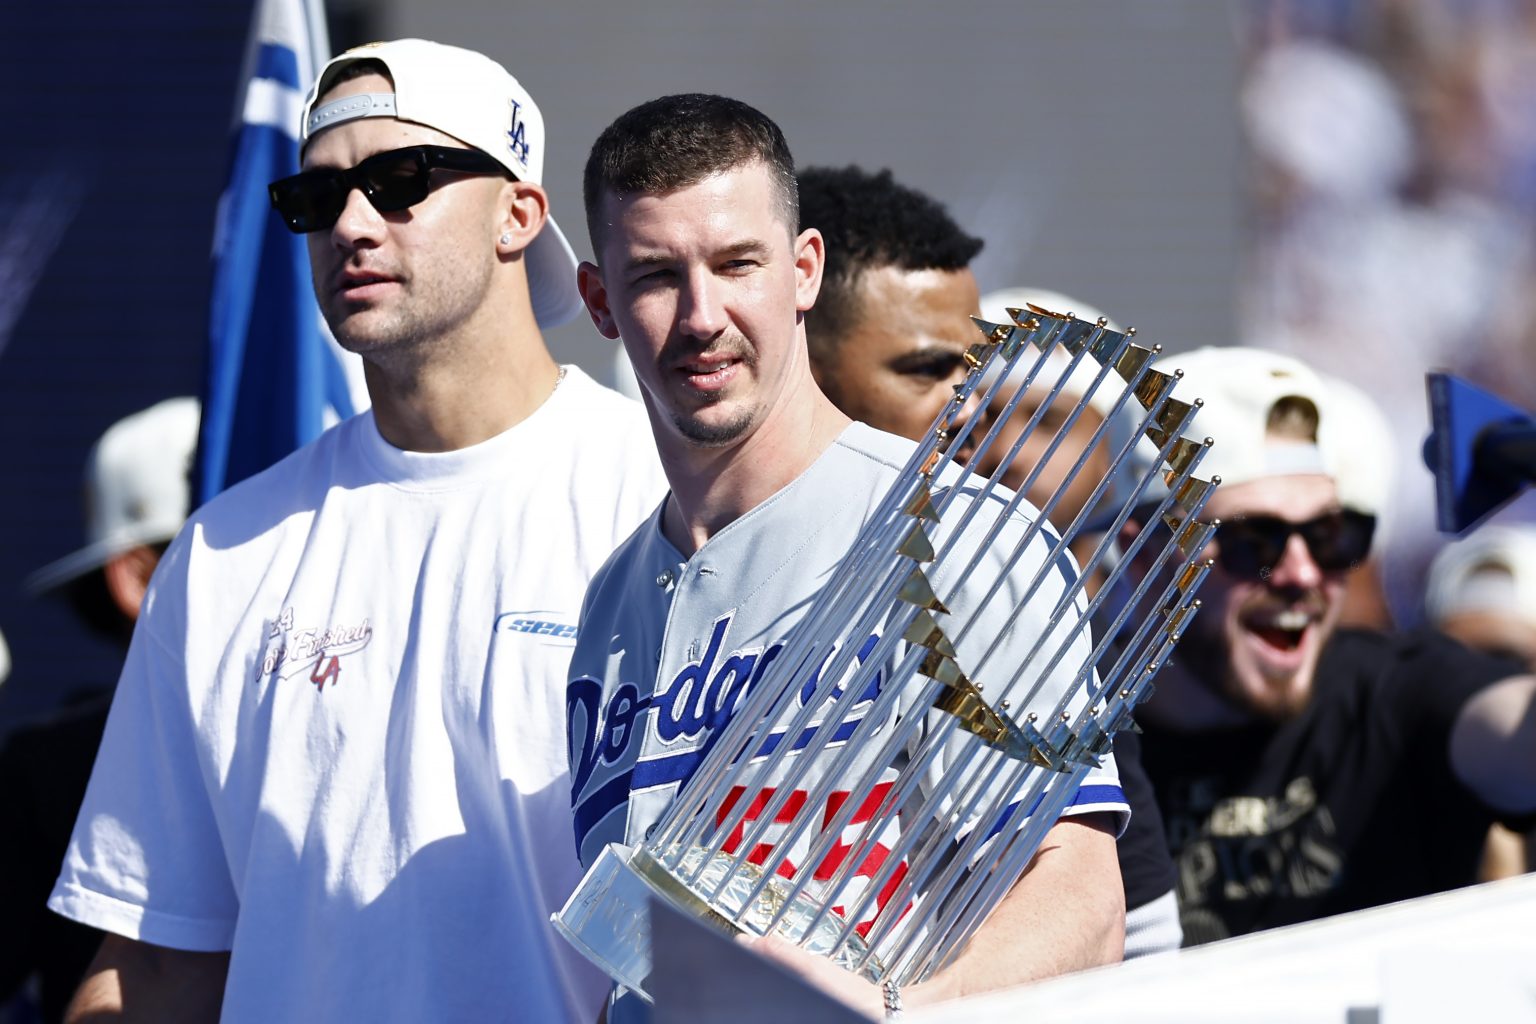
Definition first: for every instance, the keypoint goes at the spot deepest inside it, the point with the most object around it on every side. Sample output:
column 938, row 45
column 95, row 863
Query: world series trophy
column 925, row 771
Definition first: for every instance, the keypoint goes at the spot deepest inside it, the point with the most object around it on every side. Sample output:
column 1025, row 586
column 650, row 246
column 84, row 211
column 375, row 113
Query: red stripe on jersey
column 874, row 858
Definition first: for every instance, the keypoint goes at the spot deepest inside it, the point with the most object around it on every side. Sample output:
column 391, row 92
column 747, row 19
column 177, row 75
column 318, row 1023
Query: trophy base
column 607, row 917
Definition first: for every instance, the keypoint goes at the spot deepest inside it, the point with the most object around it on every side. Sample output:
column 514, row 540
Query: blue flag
column 274, row 377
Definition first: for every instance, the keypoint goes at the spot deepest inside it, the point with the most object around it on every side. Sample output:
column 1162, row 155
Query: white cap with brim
column 1239, row 387
column 1358, row 448
column 1491, row 570
column 137, row 488
column 471, row 97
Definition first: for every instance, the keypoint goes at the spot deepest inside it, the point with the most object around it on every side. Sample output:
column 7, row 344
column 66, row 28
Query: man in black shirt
column 1303, row 770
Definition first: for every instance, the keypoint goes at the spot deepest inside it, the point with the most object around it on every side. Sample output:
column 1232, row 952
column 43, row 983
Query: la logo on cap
column 517, row 137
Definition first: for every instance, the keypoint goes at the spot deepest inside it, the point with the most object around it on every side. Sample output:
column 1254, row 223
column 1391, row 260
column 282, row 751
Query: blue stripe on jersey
column 610, row 795
column 1098, row 793
column 1106, row 793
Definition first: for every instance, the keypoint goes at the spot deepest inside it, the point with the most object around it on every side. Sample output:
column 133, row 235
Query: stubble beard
column 404, row 332
column 1276, row 697
column 713, row 435
column 718, row 434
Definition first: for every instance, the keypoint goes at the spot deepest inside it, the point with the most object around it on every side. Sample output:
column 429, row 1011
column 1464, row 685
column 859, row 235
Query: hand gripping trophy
column 927, row 720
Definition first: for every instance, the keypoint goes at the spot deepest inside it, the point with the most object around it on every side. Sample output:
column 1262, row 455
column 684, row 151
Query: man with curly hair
column 889, row 330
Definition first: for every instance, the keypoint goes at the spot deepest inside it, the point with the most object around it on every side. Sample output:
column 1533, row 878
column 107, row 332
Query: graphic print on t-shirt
column 290, row 650
column 1247, row 851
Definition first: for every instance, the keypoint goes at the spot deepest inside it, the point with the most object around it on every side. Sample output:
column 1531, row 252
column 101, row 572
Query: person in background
column 1302, row 769
column 136, row 498
column 1482, row 591
column 888, row 334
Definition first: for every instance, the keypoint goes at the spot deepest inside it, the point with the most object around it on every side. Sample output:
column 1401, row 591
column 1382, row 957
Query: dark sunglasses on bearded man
column 393, row 180
column 1251, row 546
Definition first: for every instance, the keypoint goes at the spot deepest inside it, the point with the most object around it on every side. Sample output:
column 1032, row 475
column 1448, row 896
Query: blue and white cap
column 471, row 97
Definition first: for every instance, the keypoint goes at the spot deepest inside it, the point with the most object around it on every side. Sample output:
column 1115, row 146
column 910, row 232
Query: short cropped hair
column 359, row 68
column 677, row 141
column 870, row 221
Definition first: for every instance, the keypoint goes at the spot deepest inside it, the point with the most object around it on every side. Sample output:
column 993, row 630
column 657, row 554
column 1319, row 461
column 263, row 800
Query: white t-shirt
column 338, row 745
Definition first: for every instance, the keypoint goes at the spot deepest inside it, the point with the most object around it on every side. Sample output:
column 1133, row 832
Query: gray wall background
column 1093, row 143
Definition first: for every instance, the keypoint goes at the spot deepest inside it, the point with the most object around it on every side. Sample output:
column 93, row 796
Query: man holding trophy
column 692, row 209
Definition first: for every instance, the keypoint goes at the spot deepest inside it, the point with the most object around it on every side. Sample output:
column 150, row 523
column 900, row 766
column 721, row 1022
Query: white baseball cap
column 471, row 97
column 1239, row 387
column 1492, row 569
column 1357, row 447
column 136, row 488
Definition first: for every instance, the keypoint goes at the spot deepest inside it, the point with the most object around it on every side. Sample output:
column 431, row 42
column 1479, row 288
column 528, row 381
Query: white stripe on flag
column 289, row 23
column 272, row 104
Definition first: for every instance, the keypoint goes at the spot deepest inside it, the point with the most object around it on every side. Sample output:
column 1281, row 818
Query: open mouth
column 1283, row 631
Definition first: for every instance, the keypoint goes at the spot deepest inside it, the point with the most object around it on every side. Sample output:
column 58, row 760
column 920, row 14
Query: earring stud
column 506, row 238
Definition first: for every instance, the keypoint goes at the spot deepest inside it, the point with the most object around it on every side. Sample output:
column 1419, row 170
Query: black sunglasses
column 391, row 181
column 1252, row 546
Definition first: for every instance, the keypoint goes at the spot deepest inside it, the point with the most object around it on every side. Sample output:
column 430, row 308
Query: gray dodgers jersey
column 668, row 646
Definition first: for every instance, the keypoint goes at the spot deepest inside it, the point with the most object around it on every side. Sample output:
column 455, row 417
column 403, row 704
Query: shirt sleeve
column 145, row 860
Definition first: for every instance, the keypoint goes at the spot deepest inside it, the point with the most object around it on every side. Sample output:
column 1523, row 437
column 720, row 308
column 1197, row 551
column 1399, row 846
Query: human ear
column 589, row 281
column 127, row 574
column 524, row 209
column 810, row 258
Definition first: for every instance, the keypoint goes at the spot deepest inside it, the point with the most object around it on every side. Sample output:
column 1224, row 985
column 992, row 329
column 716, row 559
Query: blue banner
column 274, row 379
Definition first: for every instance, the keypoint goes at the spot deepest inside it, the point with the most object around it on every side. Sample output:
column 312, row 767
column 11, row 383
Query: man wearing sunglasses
column 334, row 784
column 1302, row 769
